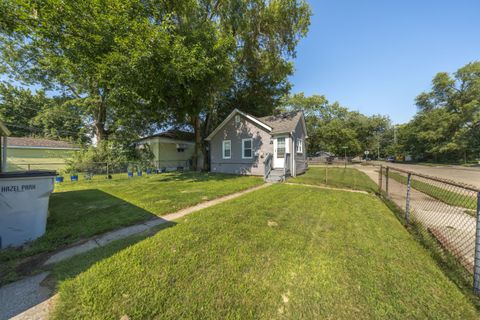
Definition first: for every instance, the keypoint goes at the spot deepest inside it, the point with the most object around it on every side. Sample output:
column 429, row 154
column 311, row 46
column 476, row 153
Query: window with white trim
column 281, row 147
column 247, row 148
column 299, row 146
column 227, row 149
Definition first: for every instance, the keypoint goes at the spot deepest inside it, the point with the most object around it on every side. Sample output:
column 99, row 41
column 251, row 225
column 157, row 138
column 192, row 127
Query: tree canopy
column 447, row 124
column 134, row 66
column 331, row 127
column 127, row 63
column 35, row 114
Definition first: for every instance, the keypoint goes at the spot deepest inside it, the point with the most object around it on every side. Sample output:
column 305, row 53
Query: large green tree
column 35, row 114
column 135, row 65
column 331, row 127
column 125, row 61
column 265, row 35
column 447, row 125
column 18, row 107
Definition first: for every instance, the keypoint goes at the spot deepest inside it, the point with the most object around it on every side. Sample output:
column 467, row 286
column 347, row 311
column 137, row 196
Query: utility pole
column 395, row 134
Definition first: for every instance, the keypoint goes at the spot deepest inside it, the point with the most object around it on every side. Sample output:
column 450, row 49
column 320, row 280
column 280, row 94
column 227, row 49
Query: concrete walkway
column 29, row 299
column 325, row 187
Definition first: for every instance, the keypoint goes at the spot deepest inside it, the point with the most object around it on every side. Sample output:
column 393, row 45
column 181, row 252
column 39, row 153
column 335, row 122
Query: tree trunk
column 197, row 153
column 206, row 131
column 100, row 132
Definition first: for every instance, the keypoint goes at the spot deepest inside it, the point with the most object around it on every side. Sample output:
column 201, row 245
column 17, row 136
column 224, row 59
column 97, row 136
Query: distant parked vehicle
column 390, row 159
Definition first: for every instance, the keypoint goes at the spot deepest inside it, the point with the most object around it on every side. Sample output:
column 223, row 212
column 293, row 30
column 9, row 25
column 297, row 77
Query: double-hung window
column 247, row 148
column 227, row 149
column 299, row 146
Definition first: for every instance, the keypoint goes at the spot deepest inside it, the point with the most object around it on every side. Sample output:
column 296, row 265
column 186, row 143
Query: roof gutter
column 43, row 147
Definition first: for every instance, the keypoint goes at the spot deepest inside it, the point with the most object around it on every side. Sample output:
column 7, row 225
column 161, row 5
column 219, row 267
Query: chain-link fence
column 106, row 170
column 445, row 211
column 321, row 161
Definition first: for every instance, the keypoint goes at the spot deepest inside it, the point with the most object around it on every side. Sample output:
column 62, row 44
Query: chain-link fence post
column 407, row 204
column 386, row 180
column 476, row 261
column 380, row 178
column 326, row 175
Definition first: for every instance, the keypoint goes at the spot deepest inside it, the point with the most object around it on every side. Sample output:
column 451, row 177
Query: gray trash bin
column 24, row 200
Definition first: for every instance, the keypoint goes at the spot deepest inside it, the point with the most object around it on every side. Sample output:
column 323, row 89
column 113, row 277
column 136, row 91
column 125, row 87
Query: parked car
column 390, row 159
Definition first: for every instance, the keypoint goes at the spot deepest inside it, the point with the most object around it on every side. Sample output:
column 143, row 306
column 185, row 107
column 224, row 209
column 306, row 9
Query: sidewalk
column 29, row 299
column 450, row 225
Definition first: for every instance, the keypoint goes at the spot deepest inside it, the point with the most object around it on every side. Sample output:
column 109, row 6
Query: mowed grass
column 337, row 177
column 283, row 252
column 466, row 200
column 80, row 210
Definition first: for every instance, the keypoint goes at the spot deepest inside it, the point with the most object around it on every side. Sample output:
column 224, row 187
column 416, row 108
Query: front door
column 279, row 150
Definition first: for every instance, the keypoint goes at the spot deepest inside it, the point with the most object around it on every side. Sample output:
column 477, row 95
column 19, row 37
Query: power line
column 62, row 115
column 38, row 129
column 29, row 119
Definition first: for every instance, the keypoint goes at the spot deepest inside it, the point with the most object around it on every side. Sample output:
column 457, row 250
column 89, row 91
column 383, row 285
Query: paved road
column 461, row 174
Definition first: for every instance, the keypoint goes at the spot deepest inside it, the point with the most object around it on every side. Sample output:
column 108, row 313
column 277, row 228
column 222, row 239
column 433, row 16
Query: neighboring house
column 171, row 149
column 273, row 146
column 25, row 153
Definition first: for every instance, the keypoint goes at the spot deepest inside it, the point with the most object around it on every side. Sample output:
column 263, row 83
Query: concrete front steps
column 276, row 176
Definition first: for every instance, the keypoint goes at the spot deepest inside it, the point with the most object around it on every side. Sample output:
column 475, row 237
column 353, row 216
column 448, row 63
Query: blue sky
column 376, row 56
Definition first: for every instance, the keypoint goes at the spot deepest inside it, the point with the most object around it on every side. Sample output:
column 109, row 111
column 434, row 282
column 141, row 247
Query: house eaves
column 230, row 116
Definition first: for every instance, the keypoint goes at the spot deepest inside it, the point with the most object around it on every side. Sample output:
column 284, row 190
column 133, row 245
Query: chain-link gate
column 445, row 210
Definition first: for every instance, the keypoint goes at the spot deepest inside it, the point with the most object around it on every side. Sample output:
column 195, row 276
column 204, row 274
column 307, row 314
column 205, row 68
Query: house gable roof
column 231, row 115
column 285, row 122
column 173, row 134
column 39, row 143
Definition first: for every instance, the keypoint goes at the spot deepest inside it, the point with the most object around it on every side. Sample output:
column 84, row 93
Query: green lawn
column 284, row 252
column 446, row 196
column 83, row 209
column 337, row 177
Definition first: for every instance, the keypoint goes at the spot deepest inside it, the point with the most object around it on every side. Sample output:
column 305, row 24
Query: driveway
column 466, row 175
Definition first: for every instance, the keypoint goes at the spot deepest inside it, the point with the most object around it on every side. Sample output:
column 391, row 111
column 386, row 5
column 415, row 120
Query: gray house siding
column 301, row 164
column 235, row 132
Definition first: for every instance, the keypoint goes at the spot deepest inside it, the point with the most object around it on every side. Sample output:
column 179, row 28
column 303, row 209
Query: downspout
column 208, row 162
column 294, row 151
